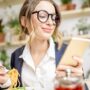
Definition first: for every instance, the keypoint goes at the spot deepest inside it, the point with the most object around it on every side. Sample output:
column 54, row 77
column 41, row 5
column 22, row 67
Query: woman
column 37, row 60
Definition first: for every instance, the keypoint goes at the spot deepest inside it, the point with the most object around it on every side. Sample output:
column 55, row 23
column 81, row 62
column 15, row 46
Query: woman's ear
column 23, row 21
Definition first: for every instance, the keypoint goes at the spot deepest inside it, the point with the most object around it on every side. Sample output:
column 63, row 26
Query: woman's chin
column 46, row 37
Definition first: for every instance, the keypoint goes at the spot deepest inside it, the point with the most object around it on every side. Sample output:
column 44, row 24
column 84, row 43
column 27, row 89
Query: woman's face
column 43, row 20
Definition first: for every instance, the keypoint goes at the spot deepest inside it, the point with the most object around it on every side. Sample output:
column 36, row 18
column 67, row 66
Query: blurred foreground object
column 69, row 82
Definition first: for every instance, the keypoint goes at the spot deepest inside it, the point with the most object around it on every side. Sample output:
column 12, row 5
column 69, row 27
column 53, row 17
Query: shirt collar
column 26, row 49
column 27, row 56
column 50, row 52
column 51, row 49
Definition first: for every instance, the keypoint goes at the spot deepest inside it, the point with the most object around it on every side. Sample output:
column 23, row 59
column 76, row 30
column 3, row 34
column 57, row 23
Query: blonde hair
column 27, row 9
column 58, row 38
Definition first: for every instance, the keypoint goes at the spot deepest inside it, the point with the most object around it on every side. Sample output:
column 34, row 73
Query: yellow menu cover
column 76, row 47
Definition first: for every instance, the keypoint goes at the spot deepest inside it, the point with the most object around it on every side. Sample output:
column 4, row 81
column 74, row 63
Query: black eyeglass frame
column 55, row 20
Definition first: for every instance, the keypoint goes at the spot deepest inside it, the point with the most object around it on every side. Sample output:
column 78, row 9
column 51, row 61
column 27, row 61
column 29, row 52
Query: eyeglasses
column 43, row 16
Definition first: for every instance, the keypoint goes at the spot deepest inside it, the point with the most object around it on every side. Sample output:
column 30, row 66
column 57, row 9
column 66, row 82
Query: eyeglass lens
column 43, row 16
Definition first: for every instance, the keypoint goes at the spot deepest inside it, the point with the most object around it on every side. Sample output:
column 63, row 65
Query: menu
column 76, row 47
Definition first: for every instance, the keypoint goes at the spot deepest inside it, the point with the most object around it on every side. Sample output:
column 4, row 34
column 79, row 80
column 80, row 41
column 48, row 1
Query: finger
column 79, row 60
column 60, row 73
column 3, row 73
column 63, row 67
column 77, row 74
column 77, row 71
column 2, row 70
column 63, row 74
column 3, row 79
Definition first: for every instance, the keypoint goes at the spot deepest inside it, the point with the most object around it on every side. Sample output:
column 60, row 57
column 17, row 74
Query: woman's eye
column 42, row 16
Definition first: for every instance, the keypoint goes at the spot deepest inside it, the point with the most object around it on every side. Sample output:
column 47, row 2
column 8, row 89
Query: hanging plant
column 86, row 3
column 66, row 1
column 83, row 26
column 14, row 24
column 2, row 34
column 4, row 58
column 1, row 26
column 67, row 5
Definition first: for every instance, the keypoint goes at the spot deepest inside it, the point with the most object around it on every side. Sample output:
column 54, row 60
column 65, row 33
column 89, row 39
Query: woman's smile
column 47, row 30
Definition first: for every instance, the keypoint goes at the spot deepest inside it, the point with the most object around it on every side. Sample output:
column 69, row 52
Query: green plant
column 65, row 1
column 15, row 25
column 1, row 26
column 86, row 3
column 83, row 26
column 4, row 57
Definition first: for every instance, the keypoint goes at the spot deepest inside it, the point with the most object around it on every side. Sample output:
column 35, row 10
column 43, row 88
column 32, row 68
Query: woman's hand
column 3, row 75
column 76, row 70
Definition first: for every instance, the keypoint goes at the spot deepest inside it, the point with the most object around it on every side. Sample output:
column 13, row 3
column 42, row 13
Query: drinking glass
column 69, row 82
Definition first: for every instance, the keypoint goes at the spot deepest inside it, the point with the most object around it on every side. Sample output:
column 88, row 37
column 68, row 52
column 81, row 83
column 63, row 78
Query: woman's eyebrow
column 45, row 10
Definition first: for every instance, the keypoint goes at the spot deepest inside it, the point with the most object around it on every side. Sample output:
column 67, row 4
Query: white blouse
column 42, row 76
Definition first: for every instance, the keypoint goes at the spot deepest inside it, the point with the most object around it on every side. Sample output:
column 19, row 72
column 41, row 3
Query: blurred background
column 75, row 23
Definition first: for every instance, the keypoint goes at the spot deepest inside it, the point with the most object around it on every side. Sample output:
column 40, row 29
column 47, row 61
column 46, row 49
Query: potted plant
column 4, row 57
column 2, row 34
column 67, row 5
column 15, row 29
column 86, row 3
column 82, row 26
column 15, row 25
